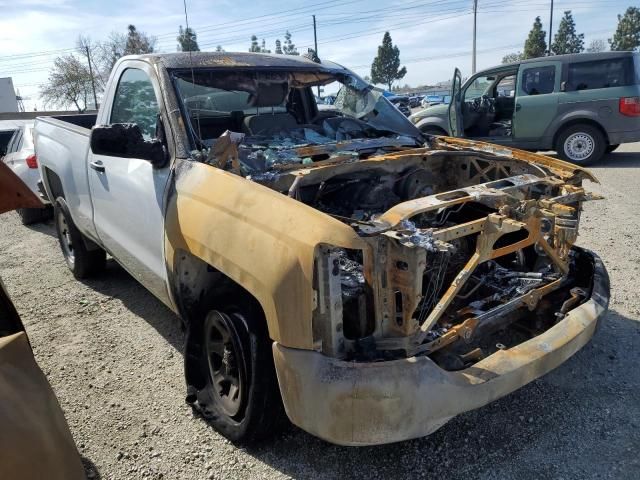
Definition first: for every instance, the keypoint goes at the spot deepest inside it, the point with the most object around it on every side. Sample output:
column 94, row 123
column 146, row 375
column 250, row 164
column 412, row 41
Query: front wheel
column 231, row 376
column 80, row 260
column 581, row 144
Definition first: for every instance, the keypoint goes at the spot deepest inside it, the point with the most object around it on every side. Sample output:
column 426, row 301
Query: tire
column 81, row 261
column 29, row 216
column 611, row 148
column 230, row 376
column 581, row 144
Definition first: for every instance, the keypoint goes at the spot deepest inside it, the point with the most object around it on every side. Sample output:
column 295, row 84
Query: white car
column 21, row 158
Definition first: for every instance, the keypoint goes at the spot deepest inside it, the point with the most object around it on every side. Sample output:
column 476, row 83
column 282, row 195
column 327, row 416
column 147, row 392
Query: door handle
column 97, row 166
column 518, row 107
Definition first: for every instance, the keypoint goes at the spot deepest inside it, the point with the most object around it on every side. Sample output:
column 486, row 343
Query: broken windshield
column 269, row 118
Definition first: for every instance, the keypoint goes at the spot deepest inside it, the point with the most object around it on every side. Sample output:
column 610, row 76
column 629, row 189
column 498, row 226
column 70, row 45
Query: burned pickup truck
column 373, row 281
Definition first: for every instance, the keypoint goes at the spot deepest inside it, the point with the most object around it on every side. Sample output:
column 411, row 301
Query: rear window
column 615, row 72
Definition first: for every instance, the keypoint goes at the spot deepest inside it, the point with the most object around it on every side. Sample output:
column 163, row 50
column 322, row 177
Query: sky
column 434, row 36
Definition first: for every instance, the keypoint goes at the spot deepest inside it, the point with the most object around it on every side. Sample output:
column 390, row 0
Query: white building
column 8, row 100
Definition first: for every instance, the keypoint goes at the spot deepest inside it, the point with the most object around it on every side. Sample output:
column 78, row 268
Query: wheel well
column 433, row 128
column 199, row 288
column 54, row 183
column 580, row 121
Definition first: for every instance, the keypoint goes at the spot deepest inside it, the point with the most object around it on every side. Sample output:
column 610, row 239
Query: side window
column 506, row 86
column 600, row 74
column 135, row 102
column 539, row 80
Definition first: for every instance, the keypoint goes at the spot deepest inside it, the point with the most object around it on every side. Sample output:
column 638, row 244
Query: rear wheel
column 238, row 391
column 29, row 216
column 80, row 260
column 581, row 144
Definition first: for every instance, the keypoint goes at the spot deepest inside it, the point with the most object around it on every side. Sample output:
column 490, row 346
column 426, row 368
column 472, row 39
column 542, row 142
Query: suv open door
column 455, row 105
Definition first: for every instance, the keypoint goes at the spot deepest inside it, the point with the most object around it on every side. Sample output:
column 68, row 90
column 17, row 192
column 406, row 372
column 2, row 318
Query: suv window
column 135, row 102
column 539, row 80
column 608, row 73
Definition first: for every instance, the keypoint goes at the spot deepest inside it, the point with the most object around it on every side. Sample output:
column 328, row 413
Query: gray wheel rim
column 223, row 358
column 579, row 146
column 65, row 239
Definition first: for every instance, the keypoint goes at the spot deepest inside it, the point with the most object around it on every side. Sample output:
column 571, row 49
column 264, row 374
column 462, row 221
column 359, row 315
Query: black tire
column 80, row 260
column 255, row 411
column 29, row 216
column 611, row 148
column 581, row 144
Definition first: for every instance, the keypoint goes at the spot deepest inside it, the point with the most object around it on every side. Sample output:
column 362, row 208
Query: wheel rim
column 65, row 238
column 579, row 146
column 223, row 359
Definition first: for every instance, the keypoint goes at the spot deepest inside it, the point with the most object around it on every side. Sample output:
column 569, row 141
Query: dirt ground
column 112, row 353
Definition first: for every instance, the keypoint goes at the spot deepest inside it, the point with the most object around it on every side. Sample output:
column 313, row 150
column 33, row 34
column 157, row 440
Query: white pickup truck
column 374, row 281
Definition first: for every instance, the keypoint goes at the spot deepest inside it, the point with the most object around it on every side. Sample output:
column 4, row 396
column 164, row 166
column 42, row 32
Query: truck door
column 128, row 193
column 537, row 95
column 455, row 105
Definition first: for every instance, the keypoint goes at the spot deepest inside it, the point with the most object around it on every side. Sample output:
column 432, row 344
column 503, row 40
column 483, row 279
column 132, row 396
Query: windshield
column 272, row 114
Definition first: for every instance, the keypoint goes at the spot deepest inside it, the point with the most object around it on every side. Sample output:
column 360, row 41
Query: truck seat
column 269, row 123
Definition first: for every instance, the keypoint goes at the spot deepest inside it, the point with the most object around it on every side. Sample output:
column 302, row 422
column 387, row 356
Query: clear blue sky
column 434, row 36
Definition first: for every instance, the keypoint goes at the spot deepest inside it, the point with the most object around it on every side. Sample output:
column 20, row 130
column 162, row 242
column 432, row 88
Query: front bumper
column 352, row 403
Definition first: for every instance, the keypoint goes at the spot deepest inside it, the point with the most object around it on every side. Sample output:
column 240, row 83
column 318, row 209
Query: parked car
column 415, row 100
column 581, row 105
column 401, row 102
column 375, row 281
column 21, row 158
column 430, row 100
column 35, row 440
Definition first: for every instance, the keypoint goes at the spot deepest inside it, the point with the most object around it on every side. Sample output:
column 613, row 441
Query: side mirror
column 125, row 140
column 563, row 87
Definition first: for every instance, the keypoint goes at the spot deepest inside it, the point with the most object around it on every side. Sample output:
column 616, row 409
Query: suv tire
column 581, row 144
column 29, row 216
column 80, row 260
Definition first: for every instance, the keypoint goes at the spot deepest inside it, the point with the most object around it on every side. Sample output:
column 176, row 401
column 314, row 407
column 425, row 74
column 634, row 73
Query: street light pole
column 475, row 21
column 93, row 81
column 550, row 28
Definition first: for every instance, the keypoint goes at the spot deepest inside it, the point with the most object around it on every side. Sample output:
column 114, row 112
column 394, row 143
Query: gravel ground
column 112, row 353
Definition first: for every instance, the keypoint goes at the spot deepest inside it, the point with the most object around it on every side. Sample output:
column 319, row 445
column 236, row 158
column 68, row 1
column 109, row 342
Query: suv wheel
column 80, row 260
column 581, row 144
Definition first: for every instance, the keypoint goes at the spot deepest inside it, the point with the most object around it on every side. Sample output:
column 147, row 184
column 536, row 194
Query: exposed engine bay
column 468, row 252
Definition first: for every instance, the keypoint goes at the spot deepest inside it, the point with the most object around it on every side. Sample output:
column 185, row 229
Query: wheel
column 80, row 260
column 238, row 392
column 611, row 148
column 581, row 144
column 32, row 215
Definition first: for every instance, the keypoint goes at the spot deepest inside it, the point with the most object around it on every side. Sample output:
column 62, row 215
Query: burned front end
column 469, row 287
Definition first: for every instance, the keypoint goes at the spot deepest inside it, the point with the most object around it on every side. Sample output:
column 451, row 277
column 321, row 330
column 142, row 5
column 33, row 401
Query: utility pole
column 315, row 45
column 93, row 81
column 550, row 28
column 475, row 21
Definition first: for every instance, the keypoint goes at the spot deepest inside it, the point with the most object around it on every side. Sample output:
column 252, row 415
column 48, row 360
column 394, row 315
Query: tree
column 627, row 35
column 596, row 46
column 187, row 40
column 386, row 66
column 566, row 40
column 138, row 42
column 69, row 83
column 289, row 47
column 278, row 47
column 254, row 44
column 219, row 49
column 119, row 45
column 263, row 47
column 513, row 57
column 535, row 46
